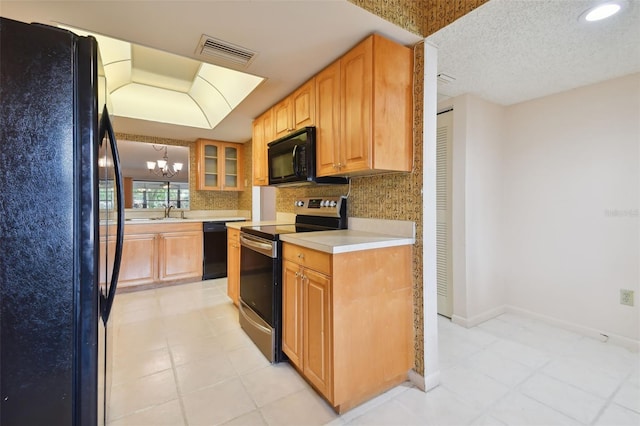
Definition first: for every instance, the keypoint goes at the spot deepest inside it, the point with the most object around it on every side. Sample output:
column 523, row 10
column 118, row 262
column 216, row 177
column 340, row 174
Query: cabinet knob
column 300, row 255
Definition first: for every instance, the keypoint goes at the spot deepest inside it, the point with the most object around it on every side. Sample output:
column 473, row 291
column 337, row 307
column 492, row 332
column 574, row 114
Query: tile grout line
column 611, row 397
column 183, row 411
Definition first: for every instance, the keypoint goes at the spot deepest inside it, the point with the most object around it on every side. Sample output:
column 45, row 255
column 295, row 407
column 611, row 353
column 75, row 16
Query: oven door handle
column 253, row 318
column 266, row 248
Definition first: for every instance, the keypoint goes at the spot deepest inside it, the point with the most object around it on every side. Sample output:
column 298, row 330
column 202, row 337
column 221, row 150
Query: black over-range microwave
column 292, row 160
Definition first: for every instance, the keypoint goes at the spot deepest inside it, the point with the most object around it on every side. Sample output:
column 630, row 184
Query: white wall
column 545, row 208
column 478, row 137
column 570, row 161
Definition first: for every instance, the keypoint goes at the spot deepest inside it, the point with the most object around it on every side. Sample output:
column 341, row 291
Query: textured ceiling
column 509, row 51
column 506, row 51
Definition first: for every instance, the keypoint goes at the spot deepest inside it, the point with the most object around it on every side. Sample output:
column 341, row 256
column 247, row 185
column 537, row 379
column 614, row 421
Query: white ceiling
column 506, row 51
column 510, row 51
column 293, row 40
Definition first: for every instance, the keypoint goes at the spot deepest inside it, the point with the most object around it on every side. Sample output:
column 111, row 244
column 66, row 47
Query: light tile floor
column 180, row 358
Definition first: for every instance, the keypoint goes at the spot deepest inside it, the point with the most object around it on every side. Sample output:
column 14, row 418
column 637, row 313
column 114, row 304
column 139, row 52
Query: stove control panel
column 321, row 206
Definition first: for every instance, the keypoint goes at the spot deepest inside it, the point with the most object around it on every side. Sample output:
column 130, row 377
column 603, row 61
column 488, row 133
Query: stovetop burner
column 312, row 214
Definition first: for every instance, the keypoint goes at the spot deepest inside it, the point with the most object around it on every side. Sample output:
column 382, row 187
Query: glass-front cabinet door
column 219, row 165
column 231, row 167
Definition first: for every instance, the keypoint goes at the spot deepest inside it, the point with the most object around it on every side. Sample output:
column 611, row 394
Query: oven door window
column 257, row 282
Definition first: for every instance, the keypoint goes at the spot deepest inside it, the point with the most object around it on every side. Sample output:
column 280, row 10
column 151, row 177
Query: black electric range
column 312, row 214
column 261, row 269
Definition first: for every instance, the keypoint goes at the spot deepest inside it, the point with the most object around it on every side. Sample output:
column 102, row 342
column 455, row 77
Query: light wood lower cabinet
column 307, row 326
column 178, row 255
column 139, row 260
column 348, row 320
column 161, row 253
column 233, row 264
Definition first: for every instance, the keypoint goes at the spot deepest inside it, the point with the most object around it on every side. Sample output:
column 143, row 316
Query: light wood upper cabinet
column 303, row 105
column 376, row 111
column 282, row 117
column 362, row 107
column 262, row 134
column 295, row 111
column 328, row 119
column 233, row 264
column 219, row 166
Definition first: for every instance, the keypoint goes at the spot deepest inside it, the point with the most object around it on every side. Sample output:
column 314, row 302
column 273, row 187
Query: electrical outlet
column 626, row 297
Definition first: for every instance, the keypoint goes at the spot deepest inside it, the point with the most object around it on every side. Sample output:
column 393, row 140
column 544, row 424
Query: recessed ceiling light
column 602, row 10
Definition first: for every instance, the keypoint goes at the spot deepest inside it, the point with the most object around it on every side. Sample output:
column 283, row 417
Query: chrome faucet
column 167, row 210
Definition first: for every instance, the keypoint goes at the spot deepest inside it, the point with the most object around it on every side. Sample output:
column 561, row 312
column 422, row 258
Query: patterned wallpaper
column 200, row 200
column 440, row 13
column 422, row 17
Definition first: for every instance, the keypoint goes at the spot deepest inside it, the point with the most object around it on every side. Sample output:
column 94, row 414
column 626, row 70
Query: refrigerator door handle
column 106, row 127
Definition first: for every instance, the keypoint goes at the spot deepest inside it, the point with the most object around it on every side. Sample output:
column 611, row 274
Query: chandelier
column 163, row 168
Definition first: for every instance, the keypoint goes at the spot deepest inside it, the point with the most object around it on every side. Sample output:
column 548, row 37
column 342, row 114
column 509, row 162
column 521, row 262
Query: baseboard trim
column 593, row 333
column 601, row 335
column 416, row 378
column 480, row 318
column 425, row 384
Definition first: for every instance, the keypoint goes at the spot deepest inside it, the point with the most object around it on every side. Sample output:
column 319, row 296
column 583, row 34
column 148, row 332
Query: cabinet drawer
column 312, row 259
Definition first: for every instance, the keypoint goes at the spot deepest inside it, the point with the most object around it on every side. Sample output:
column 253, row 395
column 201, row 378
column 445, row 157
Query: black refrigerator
column 61, row 226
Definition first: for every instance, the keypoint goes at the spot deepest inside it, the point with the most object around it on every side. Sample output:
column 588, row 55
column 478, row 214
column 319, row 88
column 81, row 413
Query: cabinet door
column 328, row 120
column 219, row 166
column 282, row 117
column 291, row 312
column 262, row 134
column 233, row 264
column 232, row 167
column 356, row 107
column 303, row 105
column 317, row 352
column 209, row 155
column 139, row 254
column 180, row 255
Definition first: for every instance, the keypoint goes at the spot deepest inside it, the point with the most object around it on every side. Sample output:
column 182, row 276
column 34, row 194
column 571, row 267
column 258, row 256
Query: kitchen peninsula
column 160, row 250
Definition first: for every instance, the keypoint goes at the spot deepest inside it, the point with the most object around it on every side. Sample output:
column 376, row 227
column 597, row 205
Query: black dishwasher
column 214, row 263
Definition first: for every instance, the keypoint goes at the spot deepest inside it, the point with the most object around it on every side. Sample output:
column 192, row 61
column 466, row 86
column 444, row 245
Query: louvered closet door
column 443, row 202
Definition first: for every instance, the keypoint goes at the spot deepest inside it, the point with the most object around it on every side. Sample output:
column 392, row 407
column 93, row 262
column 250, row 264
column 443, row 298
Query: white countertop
column 345, row 240
column 226, row 219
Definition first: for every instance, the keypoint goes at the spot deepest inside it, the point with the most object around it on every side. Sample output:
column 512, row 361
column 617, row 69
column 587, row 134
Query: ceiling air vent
column 223, row 51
